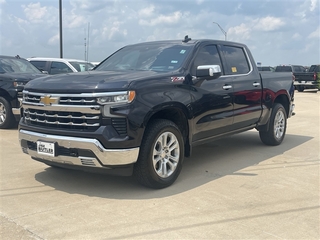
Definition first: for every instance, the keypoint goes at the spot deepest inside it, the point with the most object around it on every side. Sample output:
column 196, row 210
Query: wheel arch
column 178, row 114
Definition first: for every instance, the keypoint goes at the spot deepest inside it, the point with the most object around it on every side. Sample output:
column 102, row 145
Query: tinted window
column 155, row 57
column 59, row 67
column 237, row 62
column 283, row 69
column 82, row 66
column 314, row 68
column 16, row 65
column 39, row 64
column 298, row 69
column 207, row 55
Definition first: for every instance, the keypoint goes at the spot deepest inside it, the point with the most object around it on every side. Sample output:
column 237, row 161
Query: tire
column 277, row 129
column 300, row 88
column 7, row 118
column 158, row 166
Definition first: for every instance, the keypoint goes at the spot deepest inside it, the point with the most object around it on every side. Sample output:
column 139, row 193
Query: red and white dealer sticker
column 177, row 79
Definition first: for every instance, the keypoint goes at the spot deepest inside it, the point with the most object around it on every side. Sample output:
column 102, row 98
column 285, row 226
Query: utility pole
column 60, row 21
column 223, row 31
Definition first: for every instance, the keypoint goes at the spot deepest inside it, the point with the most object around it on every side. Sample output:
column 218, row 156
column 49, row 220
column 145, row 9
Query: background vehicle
column 60, row 65
column 15, row 72
column 290, row 68
column 295, row 69
column 145, row 106
column 308, row 80
column 266, row 68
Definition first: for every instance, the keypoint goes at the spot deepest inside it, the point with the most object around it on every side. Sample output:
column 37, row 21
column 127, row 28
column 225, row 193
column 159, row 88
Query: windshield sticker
column 234, row 69
column 177, row 79
column 174, row 61
column 182, row 51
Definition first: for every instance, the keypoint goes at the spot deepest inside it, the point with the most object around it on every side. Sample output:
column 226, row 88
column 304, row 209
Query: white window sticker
column 182, row 51
column 174, row 61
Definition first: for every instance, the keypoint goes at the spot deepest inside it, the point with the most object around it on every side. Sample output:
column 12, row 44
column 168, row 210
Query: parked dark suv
column 15, row 72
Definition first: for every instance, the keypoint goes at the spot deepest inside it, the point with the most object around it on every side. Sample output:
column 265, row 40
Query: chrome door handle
column 226, row 87
column 256, row 84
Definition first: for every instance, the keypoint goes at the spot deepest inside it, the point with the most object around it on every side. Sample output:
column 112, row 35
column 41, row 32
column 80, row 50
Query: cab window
column 237, row 62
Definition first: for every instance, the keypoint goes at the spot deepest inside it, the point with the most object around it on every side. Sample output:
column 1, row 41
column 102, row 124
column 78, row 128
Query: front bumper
column 77, row 151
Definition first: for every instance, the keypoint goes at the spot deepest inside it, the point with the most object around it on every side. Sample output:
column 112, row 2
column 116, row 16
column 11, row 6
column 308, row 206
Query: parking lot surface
column 233, row 188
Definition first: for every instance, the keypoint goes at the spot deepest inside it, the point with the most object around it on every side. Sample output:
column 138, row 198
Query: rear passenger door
column 247, row 86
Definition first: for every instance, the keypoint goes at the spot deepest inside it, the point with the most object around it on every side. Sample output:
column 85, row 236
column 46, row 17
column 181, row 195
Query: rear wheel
column 277, row 129
column 300, row 88
column 161, row 155
column 7, row 119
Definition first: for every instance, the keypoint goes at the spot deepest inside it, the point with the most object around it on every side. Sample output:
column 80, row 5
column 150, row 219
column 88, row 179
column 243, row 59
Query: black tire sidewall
column 145, row 160
column 9, row 121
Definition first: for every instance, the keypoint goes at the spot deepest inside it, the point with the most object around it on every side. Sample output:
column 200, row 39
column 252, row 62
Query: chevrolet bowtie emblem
column 48, row 100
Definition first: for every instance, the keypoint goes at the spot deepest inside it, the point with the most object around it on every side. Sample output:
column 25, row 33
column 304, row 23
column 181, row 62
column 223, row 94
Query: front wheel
column 161, row 155
column 277, row 129
column 6, row 116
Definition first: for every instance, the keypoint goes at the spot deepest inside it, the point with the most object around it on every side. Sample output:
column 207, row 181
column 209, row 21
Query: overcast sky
column 276, row 31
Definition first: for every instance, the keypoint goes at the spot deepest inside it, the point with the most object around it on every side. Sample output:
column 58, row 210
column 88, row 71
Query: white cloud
column 2, row 1
column 34, row 12
column 268, row 23
column 315, row 34
column 163, row 19
column 74, row 21
column 240, row 32
column 54, row 40
column 313, row 5
column 147, row 12
column 296, row 36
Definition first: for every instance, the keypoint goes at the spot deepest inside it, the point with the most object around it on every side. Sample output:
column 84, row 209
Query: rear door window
column 59, row 67
column 237, row 62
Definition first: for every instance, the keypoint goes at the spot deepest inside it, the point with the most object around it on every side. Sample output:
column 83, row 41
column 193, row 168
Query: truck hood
column 91, row 81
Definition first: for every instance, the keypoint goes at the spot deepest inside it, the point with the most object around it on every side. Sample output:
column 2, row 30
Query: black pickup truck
column 15, row 72
column 308, row 80
column 144, row 107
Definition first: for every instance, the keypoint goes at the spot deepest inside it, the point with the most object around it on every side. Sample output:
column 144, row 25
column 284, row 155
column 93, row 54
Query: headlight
column 19, row 84
column 117, row 97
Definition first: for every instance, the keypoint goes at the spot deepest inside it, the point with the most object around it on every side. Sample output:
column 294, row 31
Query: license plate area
column 46, row 148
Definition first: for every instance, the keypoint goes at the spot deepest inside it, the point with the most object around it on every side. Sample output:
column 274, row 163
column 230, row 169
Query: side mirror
column 208, row 72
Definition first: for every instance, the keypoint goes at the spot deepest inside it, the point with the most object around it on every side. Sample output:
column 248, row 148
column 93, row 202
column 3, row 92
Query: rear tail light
column 293, row 77
column 314, row 76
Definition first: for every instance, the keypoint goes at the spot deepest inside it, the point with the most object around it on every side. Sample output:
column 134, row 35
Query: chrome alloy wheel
column 166, row 154
column 2, row 113
column 279, row 124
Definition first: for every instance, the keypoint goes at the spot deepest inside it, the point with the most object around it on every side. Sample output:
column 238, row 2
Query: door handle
column 256, row 84
column 226, row 87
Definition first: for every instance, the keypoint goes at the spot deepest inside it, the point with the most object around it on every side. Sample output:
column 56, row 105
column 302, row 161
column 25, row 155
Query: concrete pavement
column 234, row 188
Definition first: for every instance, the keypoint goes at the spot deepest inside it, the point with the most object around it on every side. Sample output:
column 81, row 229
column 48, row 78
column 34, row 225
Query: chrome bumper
column 104, row 157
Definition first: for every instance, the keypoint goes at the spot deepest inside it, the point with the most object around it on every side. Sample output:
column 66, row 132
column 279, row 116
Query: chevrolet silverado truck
column 144, row 107
column 15, row 72
column 308, row 80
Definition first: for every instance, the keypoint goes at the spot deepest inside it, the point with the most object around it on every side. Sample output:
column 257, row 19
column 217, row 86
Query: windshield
column 162, row 58
column 15, row 65
column 82, row 66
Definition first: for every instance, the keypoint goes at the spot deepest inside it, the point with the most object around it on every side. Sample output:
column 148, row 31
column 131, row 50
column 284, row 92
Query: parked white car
column 60, row 65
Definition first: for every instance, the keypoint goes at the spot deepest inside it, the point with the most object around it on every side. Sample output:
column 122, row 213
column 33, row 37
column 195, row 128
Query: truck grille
column 62, row 111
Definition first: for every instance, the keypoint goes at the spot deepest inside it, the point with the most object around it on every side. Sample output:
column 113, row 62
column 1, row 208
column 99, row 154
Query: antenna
column 87, row 59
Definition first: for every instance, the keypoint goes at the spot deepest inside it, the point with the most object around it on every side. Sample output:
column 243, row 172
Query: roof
column 56, row 59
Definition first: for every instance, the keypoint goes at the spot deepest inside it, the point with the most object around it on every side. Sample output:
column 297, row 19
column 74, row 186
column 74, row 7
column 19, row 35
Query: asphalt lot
column 234, row 188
